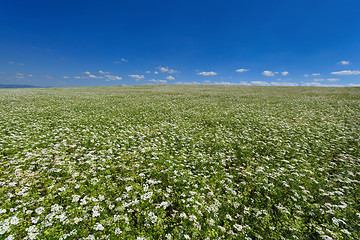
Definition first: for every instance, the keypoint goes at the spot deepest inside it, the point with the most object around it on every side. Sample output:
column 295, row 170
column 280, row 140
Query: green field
column 180, row 162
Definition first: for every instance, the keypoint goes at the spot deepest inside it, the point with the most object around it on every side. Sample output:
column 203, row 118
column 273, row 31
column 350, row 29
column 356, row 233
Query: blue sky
column 98, row 43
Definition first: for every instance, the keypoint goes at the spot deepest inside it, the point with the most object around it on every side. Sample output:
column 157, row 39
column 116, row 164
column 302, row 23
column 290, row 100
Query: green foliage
column 180, row 162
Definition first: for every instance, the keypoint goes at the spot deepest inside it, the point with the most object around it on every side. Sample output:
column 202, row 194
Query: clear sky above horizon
column 99, row 43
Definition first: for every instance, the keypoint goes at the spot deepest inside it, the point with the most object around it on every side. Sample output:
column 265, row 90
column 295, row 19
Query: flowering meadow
column 180, row 162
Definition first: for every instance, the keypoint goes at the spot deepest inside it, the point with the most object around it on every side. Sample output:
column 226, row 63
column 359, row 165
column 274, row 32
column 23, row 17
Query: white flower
column 168, row 236
column 14, row 220
column 35, row 220
column 228, row 216
column 39, row 210
column 2, row 211
column 99, row 227
column 146, row 195
column 118, row 231
column 186, row 236
column 128, row 188
column 77, row 220
column 238, row 227
column 192, row 218
column 76, row 198
column 211, row 222
column 10, row 237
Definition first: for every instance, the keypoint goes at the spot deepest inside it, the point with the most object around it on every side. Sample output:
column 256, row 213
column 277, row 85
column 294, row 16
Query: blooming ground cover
column 180, row 162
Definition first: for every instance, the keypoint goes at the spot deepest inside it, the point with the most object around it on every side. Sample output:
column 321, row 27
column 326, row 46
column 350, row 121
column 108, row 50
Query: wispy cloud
column 260, row 83
column 317, row 84
column 87, row 72
column 324, row 79
column 167, row 70
column 137, row 77
column 11, row 62
column 102, row 72
column 269, row 73
column 170, row 78
column 285, row 73
column 157, row 81
column 315, row 74
column 93, row 76
column 122, row 60
column 112, row 78
column 344, row 62
column 242, row 70
column 147, row 72
column 189, row 83
column 354, row 84
column 288, row 84
column 207, row 73
column 346, row 72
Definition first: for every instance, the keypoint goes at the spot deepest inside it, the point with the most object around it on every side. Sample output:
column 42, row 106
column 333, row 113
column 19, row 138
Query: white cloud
column 244, row 83
column 137, row 77
column 323, row 79
column 11, row 62
column 289, row 84
column 20, row 74
column 19, row 77
column 242, row 70
column 66, row 77
column 317, row 84
column 93, row 76
column 223, row 83
column 344, row 62
column 346, row 72
column 103, row 72
column 354, row 84
column 170, row 78
column 30, row 75
column 157, row 81
column 122, row 60
column 207, row 73
column 166, row 69
column 268, row 73
column 285, row 73
column 306, row 75
column 147, row 72
column 315, row 74
column 163, row 69
column 21, row 64
column 260, row 83
column 88, row 73
column 187, row 83
column 156, row 72
column 112, row 78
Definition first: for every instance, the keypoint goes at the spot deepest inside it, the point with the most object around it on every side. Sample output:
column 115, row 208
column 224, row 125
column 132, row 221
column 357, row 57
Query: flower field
column 180, row 162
